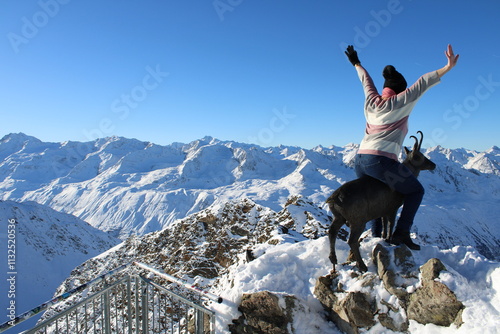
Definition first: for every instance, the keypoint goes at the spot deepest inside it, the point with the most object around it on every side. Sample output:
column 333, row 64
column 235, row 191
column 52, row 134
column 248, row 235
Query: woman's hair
column 393, row 79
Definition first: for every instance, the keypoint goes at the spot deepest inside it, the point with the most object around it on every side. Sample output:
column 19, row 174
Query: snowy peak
column 51, row 234
column 487, row 162
column 494, row 150
column 46, row 245
column 18, row 139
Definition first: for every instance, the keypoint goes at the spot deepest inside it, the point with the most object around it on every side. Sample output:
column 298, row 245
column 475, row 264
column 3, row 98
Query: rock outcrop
column 264, row 312
column 348, row 310
column 353, row 310
column 434, row 302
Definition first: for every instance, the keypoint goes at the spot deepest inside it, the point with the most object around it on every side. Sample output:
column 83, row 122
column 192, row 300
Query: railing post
column 129, row 304
column 137, row 317
column 145, row 311
column 107, row 314
column 200, row 321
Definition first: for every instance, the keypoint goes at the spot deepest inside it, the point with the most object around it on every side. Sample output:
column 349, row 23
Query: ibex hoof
column 362, row 268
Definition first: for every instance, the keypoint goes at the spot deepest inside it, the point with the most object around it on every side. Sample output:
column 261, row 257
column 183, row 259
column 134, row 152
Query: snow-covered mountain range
column 229, row 196
column 125, row 186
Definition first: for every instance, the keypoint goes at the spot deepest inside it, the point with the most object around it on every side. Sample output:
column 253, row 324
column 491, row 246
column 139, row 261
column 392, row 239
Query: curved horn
column 421, row 139
column 415, row 147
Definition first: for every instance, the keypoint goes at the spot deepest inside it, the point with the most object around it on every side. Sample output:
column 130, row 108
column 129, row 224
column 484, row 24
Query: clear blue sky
column 265, row 72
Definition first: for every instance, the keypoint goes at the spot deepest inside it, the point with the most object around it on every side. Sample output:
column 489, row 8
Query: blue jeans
column 398, row 177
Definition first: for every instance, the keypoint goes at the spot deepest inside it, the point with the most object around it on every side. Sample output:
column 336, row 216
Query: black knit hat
column 393, row 79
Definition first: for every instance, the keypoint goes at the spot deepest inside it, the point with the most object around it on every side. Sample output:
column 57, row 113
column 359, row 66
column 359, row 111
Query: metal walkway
column 133, row 298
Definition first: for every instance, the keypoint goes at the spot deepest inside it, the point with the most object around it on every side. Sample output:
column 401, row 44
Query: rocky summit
column 272, row 270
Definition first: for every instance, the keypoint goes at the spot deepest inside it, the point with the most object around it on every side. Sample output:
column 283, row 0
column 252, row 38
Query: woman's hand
column 352, row 55
column 452, row 61
column 452, row 58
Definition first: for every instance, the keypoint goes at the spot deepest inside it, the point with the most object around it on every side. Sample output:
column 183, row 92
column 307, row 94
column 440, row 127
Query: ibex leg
column 356, row 231
column 389, row 222
column 337, row 223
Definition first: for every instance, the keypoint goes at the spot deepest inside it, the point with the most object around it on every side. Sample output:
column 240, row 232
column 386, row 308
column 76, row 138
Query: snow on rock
column 206, row 243
column 203, row 247
column 291, row 269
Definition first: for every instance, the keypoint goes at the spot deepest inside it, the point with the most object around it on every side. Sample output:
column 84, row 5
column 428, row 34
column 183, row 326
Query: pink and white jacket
column 387, row 114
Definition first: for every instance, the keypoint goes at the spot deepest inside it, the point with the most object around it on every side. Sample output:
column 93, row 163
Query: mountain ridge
column 126, row 186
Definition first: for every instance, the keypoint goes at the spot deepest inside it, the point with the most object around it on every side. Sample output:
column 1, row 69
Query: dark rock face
column 349, row 311
column 434, row 302
column 263, row 312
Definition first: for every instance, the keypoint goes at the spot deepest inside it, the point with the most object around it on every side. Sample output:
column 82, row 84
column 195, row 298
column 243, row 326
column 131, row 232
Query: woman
column 386, row 127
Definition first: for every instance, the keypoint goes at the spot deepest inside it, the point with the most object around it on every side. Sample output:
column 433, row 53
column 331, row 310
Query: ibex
column 366, row 198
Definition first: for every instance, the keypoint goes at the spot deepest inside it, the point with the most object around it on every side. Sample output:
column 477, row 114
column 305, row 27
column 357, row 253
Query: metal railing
column 122, row 301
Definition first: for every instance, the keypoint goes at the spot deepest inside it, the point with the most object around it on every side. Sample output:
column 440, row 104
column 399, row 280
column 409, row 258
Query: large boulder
column 264, row 312
column 434, row 302
column 396, row 268
column 349, row 311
